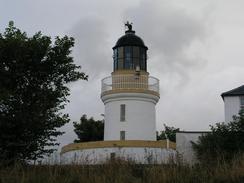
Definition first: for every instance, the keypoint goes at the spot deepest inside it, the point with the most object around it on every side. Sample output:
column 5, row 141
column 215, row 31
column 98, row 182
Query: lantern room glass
column 129, row 57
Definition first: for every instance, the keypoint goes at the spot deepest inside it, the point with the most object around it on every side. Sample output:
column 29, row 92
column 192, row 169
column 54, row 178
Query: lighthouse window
column 143, row 59
column 122, row 112
column 120, row 58
column 128, row 51
column 135, row 51
column 121, row 52
column 128, row 57
column 122, row 135
column 120, row 63
column 136, row 56
column 115, row 59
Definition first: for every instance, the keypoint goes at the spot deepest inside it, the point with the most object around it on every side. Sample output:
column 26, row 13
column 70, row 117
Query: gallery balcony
column 130, row 84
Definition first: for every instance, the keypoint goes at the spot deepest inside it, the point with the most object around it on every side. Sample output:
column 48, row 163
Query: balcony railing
column 141, row 83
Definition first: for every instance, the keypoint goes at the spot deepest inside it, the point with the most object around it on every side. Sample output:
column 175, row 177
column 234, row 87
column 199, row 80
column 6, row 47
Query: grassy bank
column 126, row 172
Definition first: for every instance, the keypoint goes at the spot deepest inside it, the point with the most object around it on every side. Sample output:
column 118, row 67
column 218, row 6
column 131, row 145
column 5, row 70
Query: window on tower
column 122, row 112
column 143, row 59
column 136, row 56
column 128, row 57
column 120, row 58
column 122, row 135
column 115, row 59
column 120, row 52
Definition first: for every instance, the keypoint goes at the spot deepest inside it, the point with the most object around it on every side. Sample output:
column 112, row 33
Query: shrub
column 223, row 143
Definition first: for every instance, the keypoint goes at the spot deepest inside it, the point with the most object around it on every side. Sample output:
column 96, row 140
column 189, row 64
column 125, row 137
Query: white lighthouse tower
column 130, row 93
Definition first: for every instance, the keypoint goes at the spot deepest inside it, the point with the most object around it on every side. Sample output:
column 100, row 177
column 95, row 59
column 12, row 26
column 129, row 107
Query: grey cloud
column 169, row 33
column 91, row 46
column 92, row 53
column 85, row 99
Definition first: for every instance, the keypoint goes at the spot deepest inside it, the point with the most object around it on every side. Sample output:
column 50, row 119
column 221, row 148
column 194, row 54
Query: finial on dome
column 129, row 25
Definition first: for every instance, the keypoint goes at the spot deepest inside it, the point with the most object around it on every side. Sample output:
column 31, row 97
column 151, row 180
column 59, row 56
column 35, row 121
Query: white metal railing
column 130, row 82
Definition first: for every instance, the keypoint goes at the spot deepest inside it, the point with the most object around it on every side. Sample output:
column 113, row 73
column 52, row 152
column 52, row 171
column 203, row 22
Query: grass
column 119, row 171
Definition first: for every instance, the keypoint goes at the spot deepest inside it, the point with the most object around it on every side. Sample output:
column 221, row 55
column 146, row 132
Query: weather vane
column 129, row 25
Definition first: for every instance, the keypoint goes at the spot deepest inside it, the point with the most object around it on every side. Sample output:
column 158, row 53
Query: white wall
column 142, row 155
column 184, row 145
column 140, row 122
column 232, row 107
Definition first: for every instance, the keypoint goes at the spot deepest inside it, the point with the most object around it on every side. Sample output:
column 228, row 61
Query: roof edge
column 194, row 132
column 239, row 91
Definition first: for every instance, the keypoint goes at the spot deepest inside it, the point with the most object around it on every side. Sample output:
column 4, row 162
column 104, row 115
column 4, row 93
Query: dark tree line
column 89, row 129
column 34, row 73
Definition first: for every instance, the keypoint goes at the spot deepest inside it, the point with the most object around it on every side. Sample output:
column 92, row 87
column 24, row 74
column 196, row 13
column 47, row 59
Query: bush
column 223, row 143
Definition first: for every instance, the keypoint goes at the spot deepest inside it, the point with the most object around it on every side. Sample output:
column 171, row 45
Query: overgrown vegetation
column 89, row 129
column 223, row 143
column 119, row 171
column 34, row 74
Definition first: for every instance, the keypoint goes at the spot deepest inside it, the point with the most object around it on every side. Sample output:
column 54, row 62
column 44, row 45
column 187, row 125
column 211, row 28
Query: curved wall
column 144, row 155
column 140, row 115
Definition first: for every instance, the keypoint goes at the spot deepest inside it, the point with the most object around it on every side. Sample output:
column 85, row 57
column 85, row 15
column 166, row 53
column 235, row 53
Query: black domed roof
column 130, row 39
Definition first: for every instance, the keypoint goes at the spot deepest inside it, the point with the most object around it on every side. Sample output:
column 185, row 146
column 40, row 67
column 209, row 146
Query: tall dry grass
column 119, row 171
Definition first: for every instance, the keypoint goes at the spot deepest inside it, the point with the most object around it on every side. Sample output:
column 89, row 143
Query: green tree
column 169, row 132
column 89, row 129
column 223, row 143
column 34, row 75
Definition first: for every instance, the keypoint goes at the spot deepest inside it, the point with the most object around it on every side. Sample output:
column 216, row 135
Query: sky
column 195, row 50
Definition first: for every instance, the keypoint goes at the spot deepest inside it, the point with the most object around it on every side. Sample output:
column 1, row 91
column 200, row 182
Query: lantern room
column 130, row 52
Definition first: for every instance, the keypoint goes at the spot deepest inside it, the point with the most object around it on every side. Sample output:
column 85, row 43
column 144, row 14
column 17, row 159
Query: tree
column 34, row 75
column 89, row 129
column 223, row 142
column 170, row 132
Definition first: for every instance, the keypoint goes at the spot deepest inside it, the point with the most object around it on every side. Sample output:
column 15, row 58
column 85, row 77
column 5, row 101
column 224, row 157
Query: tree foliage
column 34, row 73
column 169, row 132
column 223, row 142
column 89, row 129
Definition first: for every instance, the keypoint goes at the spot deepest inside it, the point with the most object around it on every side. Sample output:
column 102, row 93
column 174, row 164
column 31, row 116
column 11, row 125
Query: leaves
column 34, row 73
column 89, row 129
column 224, row 141
column 169, row 132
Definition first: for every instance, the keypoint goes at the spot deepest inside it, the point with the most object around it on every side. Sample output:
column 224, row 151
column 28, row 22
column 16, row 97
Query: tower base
column 137, row 151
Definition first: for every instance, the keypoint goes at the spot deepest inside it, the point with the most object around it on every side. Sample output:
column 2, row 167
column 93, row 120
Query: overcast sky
column 196, row 49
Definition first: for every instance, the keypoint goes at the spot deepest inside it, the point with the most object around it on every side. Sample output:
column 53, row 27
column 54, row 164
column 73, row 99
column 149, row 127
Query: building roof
column 235, row 92
column 129, row 39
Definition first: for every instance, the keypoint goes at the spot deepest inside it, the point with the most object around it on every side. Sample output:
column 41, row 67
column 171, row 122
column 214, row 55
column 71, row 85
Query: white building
column 233, row 102
column 130, row 95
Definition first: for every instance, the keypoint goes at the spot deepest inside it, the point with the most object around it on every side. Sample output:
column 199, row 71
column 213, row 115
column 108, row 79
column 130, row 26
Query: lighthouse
column 130, row 94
